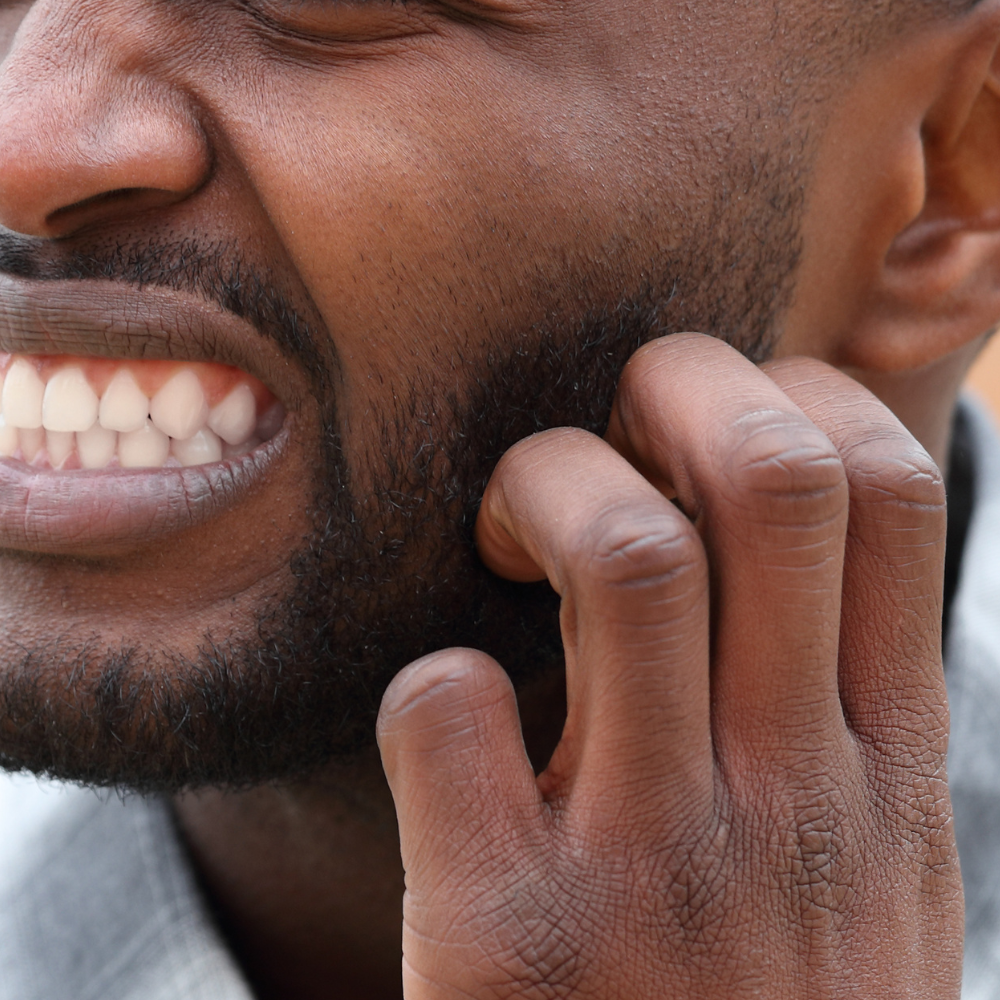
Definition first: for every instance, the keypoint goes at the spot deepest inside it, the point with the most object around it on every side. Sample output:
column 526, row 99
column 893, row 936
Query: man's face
column 428, row 230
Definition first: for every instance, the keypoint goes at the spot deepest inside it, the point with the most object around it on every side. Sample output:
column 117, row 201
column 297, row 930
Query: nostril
column 106, row 206
column 78, row 152
column 99, row 199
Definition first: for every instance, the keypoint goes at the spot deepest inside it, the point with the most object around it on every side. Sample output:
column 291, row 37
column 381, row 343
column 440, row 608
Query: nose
column 87, row 136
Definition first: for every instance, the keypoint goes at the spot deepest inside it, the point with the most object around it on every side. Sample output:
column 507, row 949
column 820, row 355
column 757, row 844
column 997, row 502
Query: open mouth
column 127, row 415
column 73, row 413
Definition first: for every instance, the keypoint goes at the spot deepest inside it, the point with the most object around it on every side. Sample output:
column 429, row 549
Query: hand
column 749, row 798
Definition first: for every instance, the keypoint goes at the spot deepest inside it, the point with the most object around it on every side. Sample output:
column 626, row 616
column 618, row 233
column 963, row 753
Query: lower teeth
column 101, row 449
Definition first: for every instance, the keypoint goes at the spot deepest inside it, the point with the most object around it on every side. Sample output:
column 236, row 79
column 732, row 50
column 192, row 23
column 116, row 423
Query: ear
column 941, row 279
column 904, row 236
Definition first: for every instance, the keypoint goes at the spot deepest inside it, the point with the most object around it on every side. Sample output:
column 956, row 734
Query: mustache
column 216, row 270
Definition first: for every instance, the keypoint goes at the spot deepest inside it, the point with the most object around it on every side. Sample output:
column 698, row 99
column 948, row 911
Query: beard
column 388, row 573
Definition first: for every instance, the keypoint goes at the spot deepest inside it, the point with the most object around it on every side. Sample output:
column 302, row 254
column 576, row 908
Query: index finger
column 631, row 572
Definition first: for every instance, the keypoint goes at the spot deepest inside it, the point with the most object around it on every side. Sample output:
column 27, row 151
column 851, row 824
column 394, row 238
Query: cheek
column 426, row 208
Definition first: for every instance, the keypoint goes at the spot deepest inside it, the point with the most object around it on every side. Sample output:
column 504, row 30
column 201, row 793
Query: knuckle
column 638, row 547
column 780, row 461
column 812, row 853
column 812, row 856
column 893, row 468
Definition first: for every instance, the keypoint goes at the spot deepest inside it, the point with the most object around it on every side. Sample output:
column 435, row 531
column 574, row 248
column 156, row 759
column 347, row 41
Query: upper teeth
column 69, row 404
column 23, row 392
column 233, row 419
column 64, row 416
column 179, row 408
column 124, row 406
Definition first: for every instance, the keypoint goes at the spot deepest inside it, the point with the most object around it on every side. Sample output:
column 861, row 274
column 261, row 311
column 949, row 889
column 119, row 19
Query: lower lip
column 111, row 511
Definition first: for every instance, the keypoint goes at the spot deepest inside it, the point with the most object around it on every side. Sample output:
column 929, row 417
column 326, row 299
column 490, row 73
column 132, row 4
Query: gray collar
column 973, row 655
column 98, row 902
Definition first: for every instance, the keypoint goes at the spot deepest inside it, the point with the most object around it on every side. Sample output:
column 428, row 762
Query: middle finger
column 768, row 492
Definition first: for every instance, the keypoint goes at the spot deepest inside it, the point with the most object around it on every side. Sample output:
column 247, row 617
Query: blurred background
column 985, row 376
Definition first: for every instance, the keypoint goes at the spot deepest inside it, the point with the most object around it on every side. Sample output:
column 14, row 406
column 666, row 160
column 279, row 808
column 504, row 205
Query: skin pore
column 448, row 227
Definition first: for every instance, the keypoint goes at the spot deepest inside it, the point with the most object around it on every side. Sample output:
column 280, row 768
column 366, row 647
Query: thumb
column 452, row 750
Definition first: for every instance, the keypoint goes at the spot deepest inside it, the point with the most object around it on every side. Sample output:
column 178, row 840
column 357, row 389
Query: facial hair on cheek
column 389, row 576
column 379, row 582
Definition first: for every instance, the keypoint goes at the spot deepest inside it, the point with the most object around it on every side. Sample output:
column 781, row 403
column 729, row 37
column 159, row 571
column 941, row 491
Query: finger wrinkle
column 628, row 548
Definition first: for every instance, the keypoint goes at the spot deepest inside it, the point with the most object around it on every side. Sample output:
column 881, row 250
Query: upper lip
column 114, row 320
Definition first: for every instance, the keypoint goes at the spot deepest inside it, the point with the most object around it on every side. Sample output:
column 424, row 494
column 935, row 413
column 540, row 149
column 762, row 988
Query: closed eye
column 341, row 20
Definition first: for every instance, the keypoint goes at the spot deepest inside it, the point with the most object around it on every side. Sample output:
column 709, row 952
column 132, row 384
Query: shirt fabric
column 98, row 900
column 973, row 672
